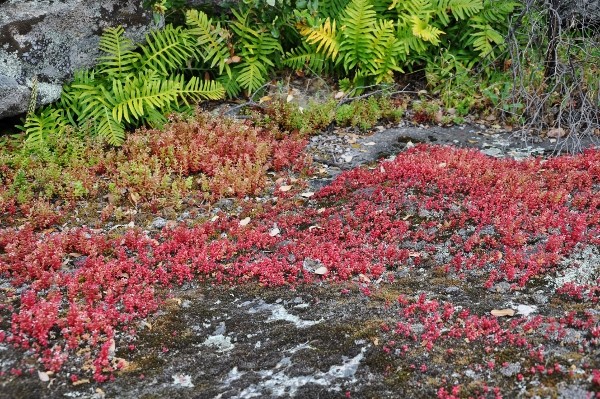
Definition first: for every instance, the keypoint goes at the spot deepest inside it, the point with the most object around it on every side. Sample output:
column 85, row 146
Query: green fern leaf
column 230, row 84
column 167, row 50
column 39, row 127
column 132, row 98
column 252, row 75
column 306, row 57
column 483, row 39
column 108, row 128
column 331, row 8
column 387, row 50
column 212, row 38
column 120, row 58
column 358, row 23
column 199, row 89
column 497, row 11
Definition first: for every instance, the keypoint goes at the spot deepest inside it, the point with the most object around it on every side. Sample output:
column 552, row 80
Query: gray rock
column 52, row 39
column 158, row 223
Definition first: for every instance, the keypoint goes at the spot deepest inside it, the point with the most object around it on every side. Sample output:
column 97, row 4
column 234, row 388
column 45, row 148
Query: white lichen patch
column 581, row 267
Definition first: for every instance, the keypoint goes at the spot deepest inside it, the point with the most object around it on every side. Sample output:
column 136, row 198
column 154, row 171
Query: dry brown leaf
column 502, row 312
column 264, row 99
column 339, row 95
column 285, row 188
column 134, row 197
column 81, row 382
column 307, row 194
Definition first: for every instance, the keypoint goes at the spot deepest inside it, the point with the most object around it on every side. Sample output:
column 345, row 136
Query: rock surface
column 52, row 39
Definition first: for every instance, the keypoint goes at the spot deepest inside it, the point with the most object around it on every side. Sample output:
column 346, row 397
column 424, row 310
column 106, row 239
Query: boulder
column 52, row 39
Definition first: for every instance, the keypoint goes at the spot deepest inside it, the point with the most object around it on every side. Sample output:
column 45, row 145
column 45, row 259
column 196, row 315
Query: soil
column 329, row 340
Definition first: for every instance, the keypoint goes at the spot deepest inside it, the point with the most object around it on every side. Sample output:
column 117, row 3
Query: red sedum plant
column 498, row 220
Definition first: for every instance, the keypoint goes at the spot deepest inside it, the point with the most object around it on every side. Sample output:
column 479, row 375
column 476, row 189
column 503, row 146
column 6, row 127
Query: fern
column 460, row 9
column 387, row 50
column 39, row 126
column 107, row 127
column 357, row 24
column 167, row 50
column 212, row 38
column 230, row 84
column 423, row 30
column 120, row 58
column 484, row 39
column 256, row 50
column 324, row 36
column 331, row 8
column 307, row 57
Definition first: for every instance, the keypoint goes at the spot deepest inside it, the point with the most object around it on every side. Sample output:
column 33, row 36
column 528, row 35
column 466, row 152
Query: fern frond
column 460, row 9
column 324, row 36
column 39, row 127
column 167, row 50
column 108, row 128
column 252, row 75
column 423, row 30
column 212, row 38
column 357, row 24
column 230, row 84
column 199, row 89
column 483, row 38
column 387, row 50
column 407, row 39
column 120, row 58
column 497, row 11
column 306, row 57
column 412, row 7
column 132, row 98
column 331, row 8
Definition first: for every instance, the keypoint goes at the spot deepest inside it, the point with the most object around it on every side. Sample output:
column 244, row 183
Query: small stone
column 158, row 223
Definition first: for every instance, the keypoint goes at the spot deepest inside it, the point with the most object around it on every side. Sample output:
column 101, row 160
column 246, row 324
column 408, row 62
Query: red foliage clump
column 509, row 220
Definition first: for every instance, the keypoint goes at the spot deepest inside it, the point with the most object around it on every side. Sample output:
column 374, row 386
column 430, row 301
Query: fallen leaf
column 44, row 377
column 81, row 382
column 214, row 218
column 285, row 188
column 502, row 312
column 339, row 95
column 244, row 221
column 364, row 278
column 307, row 194
column 369, row 143
column 289, row 98
column 264, row 99
column 311, row 228
column 274, row 231
column 321, row 270
column 233, row 60
column 442, row 165
column 134, row 197
column 556, row 132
